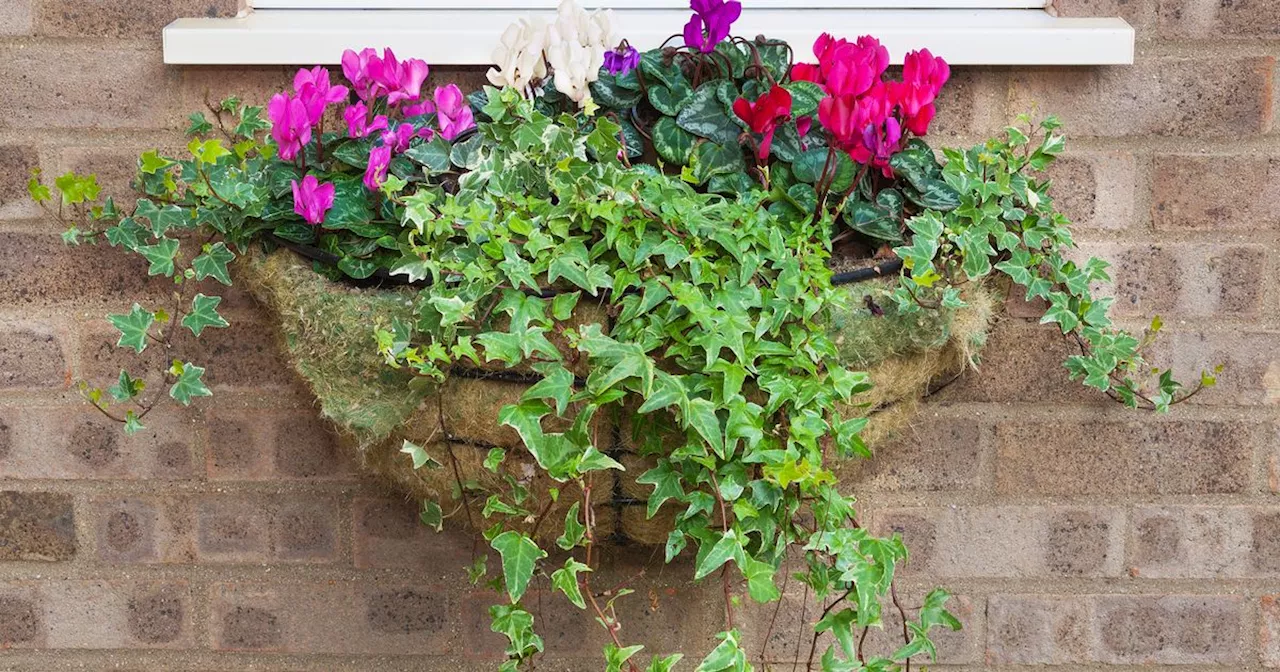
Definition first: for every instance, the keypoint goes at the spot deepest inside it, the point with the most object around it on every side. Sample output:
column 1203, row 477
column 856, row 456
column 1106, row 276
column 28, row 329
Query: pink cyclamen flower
column 379, row 163
column 311, row 199
column 290, row 125
column 358, row 124
column 315, row 92
column 419, row 108
column 355, row 67
column 851, row 69
column 398, row 139
column 452, row 112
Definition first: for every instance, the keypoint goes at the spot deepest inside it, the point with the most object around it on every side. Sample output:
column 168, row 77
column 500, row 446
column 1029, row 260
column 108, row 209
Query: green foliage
column 726, row 335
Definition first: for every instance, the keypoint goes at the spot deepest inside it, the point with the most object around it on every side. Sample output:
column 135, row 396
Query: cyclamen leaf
column 190, row 383
column 519, row 557
column 204, row 313
column 133, row 327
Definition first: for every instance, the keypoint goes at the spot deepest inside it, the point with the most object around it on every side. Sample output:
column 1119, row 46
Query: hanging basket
column 326, row 328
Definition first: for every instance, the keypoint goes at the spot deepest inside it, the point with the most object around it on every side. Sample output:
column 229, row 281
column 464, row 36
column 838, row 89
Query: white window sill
column 468, row 37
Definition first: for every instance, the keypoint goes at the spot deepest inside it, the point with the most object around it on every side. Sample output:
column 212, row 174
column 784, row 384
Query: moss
column 327, row 331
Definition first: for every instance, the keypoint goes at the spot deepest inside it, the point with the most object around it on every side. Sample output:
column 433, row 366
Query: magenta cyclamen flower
column 315, row 92
column 290, row 125
column 379, row 162
column 358, row 124
column 398, row 139
column 311, row 199
column 452, row 112
column 710, row 23
column 374, row 76
column 622, row 60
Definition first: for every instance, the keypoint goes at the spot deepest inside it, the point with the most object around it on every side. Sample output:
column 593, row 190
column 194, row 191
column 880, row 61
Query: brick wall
column 235, row 535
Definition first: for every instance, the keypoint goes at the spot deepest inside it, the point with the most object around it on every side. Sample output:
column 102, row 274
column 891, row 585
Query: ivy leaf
column 204, row 313
column 431, row 515
column 701, row 415
column 725, row 549
column 251, row 122
column 151, row 162
column 208, row 151
column 556, row 384
column 127, row 387
column 565, row 580
column 728, row 656
column 574, row 530
column 132, row 423
column 213, row 263
column 519, row 556
column 190, row 382
column 666, row 485
column 419, row 455
column 666, row 664
column 615, row 658
column 760, row 582
column 161, row 256
column 199, row 124
column 432, row 156
column 594, row 460
column 133, row 327
column 467, row 153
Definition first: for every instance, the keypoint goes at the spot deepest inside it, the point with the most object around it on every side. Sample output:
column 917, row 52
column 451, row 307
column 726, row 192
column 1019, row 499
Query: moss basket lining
column 326, row 330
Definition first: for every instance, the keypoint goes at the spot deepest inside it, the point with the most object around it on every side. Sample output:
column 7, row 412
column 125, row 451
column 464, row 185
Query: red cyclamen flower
column 923, row 76
column 311, row 199
column 764, row 115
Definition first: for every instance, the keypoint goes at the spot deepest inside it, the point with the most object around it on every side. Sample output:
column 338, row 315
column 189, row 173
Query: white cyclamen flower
column 519, row 55
column 576, row 44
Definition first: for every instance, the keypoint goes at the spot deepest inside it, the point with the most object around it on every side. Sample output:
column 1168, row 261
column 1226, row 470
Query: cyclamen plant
column 711, row 259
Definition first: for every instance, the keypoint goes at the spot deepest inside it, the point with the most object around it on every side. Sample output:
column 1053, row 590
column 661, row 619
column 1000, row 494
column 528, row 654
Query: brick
column 1037, row 630
column 232, row 529
column 121, row 18
column 262, row 445
column 1095, row 190
column 1218, row 20
column 38, row 270
column 1250, row 372
column 388, row 535
column 53, row 442
column 1155, row 457
column 1010, row 541
column 16, row 17
column 143, row 530
column 1206, row 542
column 972, row 106
column 6, row 439
column 1183, row 279
column 332, row 617
column 1165, row 97
column 37, row 526
column 307, row 447
column 1216, row 193
column 305, row 528
column 16, row 162
column 1021, row 363
column 20, row 622
column 31, row 357
column 257, row 529
column 101, row 614
column 104, row 87
column 1167, row 629
column 1140, row 15
column 1269, row 636
column 933, row 454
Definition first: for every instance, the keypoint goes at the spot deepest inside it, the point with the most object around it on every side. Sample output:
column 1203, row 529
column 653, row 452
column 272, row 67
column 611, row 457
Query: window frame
column 442, row 33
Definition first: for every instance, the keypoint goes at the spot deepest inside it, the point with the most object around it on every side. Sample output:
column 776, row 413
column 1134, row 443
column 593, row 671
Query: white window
column 464, row 32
